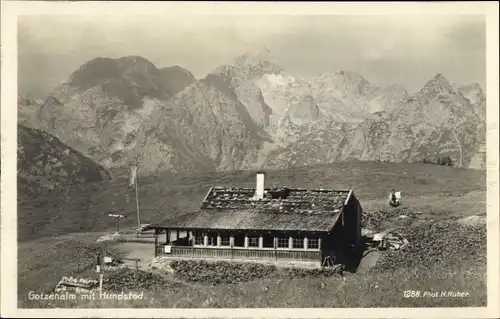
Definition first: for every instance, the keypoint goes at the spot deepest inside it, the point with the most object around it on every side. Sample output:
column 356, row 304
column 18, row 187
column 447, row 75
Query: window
column 199, row 239
column 224, row 240
column 298, row 243
column 312, row 243
column 253, row 241
column 283, row 242
column 212, row 239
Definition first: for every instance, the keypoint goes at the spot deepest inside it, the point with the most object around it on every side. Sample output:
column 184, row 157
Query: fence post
column 156, row 243
column 231, row 244
column 100, row 283
column 136, row 270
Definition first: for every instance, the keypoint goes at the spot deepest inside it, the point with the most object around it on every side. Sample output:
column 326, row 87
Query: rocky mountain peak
column 174, row 79
column 258, row 63
column 178, row 68
column 94, row 72
column 437, row 85
column 127, row 79
column 220, row 82
column 345, row 81
column 136, row 63
column 227, row 70
column 247, row 92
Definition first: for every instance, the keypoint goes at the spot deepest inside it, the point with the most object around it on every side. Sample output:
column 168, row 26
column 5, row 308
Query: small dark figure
column 394, row 202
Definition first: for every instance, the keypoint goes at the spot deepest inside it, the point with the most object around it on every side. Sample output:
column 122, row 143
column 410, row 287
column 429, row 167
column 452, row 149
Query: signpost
column 117, row 217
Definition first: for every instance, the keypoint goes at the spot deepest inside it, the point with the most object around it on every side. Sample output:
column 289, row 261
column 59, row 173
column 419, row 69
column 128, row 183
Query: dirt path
column 143, row 251
column 369, row 261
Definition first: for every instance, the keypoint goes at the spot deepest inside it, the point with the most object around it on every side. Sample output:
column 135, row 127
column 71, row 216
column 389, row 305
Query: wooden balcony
column 239, row 253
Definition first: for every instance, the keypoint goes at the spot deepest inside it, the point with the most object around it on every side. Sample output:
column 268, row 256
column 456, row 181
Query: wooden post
column 261, row 241
column 205, row 240
column 98, row 265
column 156, row 243
column 231, row 244
column 100, row 283
column 219, row 240
column 167, row 236
column 137, row 269
column 305, row 243
column 275, row 247
column 246, row 241
column 193, row 244
column 290, row 242
column 176, row 234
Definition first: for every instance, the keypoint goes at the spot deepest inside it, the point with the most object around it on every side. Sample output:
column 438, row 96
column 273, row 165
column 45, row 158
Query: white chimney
column 259, row 191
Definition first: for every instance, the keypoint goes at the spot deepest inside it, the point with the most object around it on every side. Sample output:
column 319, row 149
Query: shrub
column 445, row 161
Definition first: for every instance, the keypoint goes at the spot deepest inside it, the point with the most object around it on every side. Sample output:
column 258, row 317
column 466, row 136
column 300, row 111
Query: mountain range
column 252, row 114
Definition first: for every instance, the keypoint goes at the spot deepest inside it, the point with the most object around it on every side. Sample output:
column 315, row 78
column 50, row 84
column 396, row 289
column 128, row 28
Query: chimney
column 259, row 190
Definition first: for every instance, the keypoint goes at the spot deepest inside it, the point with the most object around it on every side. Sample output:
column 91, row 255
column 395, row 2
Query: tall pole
column 137, row 201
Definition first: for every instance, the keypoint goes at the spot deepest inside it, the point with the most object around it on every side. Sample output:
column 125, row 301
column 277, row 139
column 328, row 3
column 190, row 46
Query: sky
column 386, row 50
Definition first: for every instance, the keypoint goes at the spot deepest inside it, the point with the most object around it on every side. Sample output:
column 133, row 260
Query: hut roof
column 282, row 209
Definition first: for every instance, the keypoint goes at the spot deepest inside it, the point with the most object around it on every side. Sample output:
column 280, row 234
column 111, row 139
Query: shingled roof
column 276, row 199
column 253, row 219
column 286, row 209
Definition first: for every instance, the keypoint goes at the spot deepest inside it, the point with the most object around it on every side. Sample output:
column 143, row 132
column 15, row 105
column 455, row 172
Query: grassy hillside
column 84, row 207
column 43, row 161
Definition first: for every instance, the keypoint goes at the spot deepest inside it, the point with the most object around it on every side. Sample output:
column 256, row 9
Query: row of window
column 282, row 242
